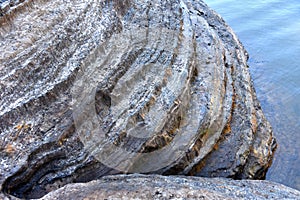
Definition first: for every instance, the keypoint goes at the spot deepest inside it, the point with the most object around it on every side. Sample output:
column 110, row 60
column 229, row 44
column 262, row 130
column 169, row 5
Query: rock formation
column 172, row 187
column 92, row 88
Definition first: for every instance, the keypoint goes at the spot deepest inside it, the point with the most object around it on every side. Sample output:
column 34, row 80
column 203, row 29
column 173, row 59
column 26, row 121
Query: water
column 270, row 31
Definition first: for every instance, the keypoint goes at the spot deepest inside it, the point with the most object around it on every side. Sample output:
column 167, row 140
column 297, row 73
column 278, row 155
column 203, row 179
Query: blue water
column 270, row 31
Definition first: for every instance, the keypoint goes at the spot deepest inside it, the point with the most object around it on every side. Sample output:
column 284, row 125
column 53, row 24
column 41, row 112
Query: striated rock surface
column 92, row 88
column 173, row 187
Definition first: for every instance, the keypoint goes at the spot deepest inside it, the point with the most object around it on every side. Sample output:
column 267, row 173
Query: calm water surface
column 270, row 31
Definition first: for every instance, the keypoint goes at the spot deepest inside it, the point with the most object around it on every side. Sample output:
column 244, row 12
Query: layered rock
column 91, row 88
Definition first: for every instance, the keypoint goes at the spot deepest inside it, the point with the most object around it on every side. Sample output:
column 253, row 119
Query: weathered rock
column 173, row 187
column 91, row 88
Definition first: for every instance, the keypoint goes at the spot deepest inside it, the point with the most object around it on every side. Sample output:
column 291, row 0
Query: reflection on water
column 270, row 31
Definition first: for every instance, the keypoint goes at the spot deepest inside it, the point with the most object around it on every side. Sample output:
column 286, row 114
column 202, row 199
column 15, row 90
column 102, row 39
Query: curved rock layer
column 173, row 187
column 91, row 88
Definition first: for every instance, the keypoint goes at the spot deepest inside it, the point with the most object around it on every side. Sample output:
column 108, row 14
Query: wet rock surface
column 173, row 187
column 105, row 87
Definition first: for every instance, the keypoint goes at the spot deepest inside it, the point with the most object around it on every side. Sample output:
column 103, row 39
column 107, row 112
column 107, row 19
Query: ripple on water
column 270, row 32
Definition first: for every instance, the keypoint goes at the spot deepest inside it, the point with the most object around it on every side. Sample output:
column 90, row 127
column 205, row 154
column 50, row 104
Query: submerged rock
column 173, row 187
column 92, row 88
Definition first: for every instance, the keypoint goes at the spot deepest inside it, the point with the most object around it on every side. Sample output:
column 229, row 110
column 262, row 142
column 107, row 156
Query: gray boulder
column 172, row 187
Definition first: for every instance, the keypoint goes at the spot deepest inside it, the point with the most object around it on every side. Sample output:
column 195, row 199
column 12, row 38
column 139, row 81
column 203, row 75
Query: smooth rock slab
column 172, row 187
column 92, row 88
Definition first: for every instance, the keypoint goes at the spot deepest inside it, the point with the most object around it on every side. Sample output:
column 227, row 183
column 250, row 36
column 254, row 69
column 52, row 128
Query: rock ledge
column 172, row 187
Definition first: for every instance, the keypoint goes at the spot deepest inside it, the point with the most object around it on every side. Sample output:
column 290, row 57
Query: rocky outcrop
column 173, row 187
column 92, row 88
